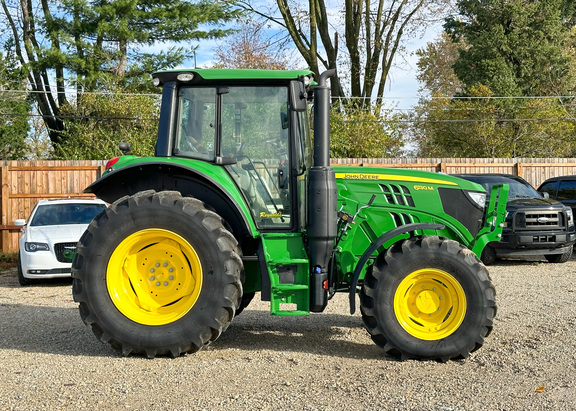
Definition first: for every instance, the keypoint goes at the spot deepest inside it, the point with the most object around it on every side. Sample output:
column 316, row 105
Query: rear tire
column 428, row 298
column 559, row 258
column 157, row 274
column 246, row 300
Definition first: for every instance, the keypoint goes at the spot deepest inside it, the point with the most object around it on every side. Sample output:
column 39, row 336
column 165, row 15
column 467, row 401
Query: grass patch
column 8, row 260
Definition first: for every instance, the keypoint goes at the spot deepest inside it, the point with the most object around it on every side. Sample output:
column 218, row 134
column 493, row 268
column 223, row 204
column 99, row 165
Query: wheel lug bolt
column 158, row 283
column 171, row 277
column 165, row 282
column 152, row 278
column 157, row 264
column 165, row 264
column 170, row 270
column 152, row 270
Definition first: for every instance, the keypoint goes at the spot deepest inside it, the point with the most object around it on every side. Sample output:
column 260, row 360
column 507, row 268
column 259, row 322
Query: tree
column 88, row 43
column 249, row 48
column 373, row 35
column 14, row 106
column 516, row 47
column 510, row 53
column 364, row 132
column 484, row 126
column 435, row 67
column 100, row 121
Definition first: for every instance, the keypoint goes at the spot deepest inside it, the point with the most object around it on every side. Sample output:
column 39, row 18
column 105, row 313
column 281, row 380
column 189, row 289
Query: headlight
column 32, row 247
column 570, row 217
column 478, row 197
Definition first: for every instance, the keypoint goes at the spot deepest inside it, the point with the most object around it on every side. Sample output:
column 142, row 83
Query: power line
column 73, row 91
column 107, row 93
column 496, row 120
column 135, row 118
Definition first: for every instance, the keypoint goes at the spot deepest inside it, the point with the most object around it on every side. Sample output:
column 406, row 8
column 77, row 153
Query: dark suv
column 535, row 224
column 562, row 189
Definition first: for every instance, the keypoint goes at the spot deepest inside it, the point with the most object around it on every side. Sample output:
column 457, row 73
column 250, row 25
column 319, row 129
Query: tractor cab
column 258, row 132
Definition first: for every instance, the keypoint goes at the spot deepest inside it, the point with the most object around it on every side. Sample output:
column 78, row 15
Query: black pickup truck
column 535, row 224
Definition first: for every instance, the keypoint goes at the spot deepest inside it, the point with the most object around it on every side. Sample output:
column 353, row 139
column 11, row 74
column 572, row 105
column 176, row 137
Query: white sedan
column 49, row 238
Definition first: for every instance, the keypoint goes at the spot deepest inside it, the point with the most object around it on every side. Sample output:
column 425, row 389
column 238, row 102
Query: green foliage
column 98, row 122
column 435, row 66
column 8, row 260
column 14, row 107
column 364, row 132
column 509, row 51
column 516, row 47
column 106, row 36
column 491, row 127
column 95, row 44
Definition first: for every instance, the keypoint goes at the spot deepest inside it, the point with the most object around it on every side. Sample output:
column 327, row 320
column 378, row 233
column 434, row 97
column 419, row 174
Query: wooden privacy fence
column 24, row 183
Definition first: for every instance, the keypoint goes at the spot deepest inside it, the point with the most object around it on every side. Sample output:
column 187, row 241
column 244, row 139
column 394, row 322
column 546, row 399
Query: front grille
column 65, row 252
column 538, row 220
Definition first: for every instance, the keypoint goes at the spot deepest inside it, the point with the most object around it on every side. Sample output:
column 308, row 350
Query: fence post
column 519, row 170
column 5, row 238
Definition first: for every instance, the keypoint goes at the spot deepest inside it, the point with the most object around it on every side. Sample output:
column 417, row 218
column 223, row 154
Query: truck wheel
column 559, row 258
column 428, row 298
column 157, row 274
column 488, row 256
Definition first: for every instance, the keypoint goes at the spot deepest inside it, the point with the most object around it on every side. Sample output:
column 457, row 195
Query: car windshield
column 62, row 214
column 518, row 188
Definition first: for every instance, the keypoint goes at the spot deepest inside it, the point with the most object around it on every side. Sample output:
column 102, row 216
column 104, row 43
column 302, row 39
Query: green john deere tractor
column 239, row 200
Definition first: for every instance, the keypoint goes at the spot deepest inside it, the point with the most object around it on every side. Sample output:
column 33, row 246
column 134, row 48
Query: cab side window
column 567, row 190
column 549, row 188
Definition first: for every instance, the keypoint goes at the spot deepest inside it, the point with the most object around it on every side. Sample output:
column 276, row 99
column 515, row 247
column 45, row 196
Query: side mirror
column 545, row 194
column 125, row 148
column 20, row 222
column 298, row 96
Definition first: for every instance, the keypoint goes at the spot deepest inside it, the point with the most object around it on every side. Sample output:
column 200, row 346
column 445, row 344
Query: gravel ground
column 50, row 360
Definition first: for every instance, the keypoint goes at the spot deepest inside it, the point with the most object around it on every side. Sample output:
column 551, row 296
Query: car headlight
column 32, row 247
column 570, row 217
column 478, row 197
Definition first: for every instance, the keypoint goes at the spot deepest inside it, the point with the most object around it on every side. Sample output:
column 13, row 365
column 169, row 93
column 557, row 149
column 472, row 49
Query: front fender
column 375, row 245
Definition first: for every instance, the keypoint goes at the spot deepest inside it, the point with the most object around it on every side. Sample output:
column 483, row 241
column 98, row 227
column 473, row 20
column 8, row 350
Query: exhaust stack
column 322, row 198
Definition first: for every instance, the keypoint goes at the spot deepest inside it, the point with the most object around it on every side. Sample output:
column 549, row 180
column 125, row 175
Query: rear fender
column 222, row 196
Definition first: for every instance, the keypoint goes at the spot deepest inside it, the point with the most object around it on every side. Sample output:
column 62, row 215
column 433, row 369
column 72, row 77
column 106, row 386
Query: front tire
column 559, row 258
column 21, row 279
column 157, row 274
column 428, row 298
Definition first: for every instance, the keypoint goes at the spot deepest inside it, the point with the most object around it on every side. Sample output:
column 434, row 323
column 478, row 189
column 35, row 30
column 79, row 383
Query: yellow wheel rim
column 154, row 277
column 430, row 304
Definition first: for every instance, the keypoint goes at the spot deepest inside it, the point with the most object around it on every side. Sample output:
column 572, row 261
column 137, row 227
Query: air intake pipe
column 322, row 199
